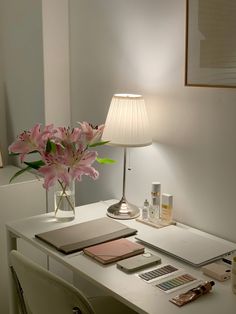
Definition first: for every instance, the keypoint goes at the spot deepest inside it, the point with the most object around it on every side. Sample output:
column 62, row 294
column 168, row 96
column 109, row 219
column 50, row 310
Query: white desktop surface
column 128, row 288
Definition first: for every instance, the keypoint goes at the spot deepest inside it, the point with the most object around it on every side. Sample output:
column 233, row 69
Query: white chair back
column 46, row 293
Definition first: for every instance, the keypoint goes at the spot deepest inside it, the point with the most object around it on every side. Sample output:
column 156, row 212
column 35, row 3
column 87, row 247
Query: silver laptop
column 195, row 249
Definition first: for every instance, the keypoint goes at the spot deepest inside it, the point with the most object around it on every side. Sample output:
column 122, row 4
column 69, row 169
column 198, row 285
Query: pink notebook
column 114, row 251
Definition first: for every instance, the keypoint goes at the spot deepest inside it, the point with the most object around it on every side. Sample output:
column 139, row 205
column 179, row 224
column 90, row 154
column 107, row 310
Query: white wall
column 3, row 136
column 139, row 46
column 35, row 55
column 3, row 139
column 23, row 64
column 56, row 61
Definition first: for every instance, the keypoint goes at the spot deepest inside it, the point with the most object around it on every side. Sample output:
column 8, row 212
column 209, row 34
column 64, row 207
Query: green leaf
column 50, row 147
column 105, row 161
column 35, row 164
column 16, row 154
column 19, row 173
column 98, row 144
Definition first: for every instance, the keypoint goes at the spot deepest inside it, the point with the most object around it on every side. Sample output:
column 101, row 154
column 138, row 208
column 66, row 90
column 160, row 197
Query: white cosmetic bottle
column 167, row 208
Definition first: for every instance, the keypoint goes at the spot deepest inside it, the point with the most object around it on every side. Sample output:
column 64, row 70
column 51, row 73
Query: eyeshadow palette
column 159, row 272
column 176, row 282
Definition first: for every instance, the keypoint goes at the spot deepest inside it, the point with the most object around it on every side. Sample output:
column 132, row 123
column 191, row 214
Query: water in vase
column 64, row 205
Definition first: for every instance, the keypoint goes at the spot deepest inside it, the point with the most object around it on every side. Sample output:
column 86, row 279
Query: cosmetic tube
column 192, row 294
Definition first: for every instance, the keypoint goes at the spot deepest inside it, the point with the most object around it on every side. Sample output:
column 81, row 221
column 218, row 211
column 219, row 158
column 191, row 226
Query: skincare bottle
column 145, row 210
column 166, row 208
column 154, row 208
column 233, row 274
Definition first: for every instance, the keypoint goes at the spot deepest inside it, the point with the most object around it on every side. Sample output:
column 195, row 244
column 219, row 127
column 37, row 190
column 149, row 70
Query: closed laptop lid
column 194, row 248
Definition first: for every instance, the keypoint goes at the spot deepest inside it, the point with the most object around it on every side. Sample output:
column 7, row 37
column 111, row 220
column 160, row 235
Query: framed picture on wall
column 210, row 43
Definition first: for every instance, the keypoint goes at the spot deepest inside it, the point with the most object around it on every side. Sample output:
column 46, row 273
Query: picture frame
column 210, row 56
column 1, row 161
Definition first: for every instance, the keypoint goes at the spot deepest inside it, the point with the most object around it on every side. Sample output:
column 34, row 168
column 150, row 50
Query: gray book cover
column 77, row 237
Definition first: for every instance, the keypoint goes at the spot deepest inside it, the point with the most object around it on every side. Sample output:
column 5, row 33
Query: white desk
column 128, row 288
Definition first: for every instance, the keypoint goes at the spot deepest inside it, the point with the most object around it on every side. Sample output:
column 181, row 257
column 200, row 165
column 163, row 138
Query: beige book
column 113, row 251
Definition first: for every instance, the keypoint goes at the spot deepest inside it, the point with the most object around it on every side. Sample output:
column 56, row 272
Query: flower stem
column 64, row 194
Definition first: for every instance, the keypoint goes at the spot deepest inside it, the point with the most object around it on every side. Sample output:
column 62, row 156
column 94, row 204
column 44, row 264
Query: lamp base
column 123, row 210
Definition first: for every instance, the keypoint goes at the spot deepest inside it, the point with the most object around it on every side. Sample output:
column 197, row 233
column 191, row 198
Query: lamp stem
column 123, row 209
column 124, row 173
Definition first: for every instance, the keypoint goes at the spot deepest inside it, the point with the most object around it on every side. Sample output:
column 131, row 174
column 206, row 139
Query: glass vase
column 64, row 201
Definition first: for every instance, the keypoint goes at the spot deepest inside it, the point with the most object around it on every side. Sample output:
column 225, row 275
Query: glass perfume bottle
column 145, row 210
column 154, row 208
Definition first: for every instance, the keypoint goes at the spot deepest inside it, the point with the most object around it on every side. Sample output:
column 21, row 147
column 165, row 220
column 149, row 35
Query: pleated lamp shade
column 127, row 122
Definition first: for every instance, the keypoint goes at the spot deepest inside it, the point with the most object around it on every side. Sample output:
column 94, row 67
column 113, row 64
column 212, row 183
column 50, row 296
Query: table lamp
column 126, row 125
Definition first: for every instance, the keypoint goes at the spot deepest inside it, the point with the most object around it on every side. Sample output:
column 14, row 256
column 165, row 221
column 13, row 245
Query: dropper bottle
column 145, row 210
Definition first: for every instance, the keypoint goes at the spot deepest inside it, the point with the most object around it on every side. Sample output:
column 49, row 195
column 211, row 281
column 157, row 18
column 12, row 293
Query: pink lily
column 29, row 141
column 83, row 167
column 64, row 152
column 93, row 134
column 54, row 172
column 68, row 135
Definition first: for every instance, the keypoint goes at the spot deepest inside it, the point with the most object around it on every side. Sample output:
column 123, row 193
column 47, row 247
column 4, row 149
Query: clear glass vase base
column 64, row 203
column 63, row 215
